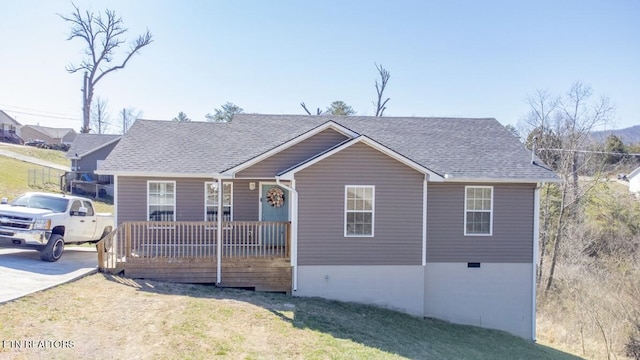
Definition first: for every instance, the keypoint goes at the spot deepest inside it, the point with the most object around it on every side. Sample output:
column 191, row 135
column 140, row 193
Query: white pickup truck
column 46, row 222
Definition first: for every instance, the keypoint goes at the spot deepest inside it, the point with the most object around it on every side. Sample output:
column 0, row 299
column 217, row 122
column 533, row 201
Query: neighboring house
column 53, row 136
column 88, row 150
column 86, row 153
column 9, row 129
column 634, row 181
column 436, row 217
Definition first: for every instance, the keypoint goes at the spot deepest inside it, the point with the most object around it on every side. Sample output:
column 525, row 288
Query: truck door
column 90, row 222
column 76, row 224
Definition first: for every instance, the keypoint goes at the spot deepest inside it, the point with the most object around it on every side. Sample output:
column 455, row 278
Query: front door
column 274, row 207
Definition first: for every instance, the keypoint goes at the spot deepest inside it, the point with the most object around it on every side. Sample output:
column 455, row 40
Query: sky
column 446, row 58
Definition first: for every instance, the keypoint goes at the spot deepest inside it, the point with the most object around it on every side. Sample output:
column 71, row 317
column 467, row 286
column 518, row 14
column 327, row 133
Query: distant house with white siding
column 634, row 181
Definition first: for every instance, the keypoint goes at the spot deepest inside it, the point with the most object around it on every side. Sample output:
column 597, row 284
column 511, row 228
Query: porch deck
column 254, row 254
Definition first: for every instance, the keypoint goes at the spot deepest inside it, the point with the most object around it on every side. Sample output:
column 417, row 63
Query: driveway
column 23, row 273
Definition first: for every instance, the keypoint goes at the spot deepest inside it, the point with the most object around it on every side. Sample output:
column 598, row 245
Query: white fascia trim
column 634, row 173
column 450, row 179
column 288, row 175
column 98, row 148
column 298, row 139
column 161, row 174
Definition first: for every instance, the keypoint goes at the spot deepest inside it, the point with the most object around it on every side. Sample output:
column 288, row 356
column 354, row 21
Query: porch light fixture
column 252, row 186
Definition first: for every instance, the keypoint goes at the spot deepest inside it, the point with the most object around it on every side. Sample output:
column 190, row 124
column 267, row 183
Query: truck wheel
column 54, row 249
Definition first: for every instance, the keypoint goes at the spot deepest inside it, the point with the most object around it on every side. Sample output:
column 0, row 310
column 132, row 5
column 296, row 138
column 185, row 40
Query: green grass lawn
column 54, row 156
column 14, row 180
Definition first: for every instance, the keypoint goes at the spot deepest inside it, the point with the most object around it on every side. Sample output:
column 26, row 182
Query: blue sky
column 446, row 58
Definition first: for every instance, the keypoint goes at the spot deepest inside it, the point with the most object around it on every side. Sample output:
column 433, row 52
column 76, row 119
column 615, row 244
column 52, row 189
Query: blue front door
column 275, row 207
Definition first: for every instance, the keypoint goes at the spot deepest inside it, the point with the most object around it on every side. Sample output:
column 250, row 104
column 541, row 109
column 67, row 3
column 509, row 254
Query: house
column 52, row 136
column 634, row 181
column 9, row 129
column 86, row 153
column 436, row 217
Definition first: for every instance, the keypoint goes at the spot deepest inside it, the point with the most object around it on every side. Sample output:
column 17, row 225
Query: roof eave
column 160, row 174
column 468, row 179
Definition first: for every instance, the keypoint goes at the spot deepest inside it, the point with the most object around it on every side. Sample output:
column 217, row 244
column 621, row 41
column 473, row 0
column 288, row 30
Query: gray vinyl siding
column 397, row 236
column 132, row 199
column 293, row 155
column 89, row 161
column 246, row 202
column 512, row 239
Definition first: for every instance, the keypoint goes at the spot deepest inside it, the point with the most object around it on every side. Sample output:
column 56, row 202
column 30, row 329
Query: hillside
column 630, row 135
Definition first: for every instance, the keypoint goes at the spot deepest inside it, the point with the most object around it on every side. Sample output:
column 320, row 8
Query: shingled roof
column 85, row 144
column 455, row 148
column 6, row 119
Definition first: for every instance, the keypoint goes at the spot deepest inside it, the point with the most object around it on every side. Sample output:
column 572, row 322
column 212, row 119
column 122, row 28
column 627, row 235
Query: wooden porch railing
column 168, row 240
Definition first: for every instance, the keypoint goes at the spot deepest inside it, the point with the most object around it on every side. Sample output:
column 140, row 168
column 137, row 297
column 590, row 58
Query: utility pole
column 85, row 105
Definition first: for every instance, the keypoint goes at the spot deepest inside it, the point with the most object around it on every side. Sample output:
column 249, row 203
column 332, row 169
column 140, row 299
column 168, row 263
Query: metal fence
column 44, row 176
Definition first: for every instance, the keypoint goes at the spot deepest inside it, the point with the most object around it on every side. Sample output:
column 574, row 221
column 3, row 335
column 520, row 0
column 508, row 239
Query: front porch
column 251, row 254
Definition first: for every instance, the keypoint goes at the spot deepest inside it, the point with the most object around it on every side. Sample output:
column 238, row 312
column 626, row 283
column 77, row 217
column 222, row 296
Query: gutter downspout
column 536, row 234
column 219, row 233
column 424, row 221
column 294, row 228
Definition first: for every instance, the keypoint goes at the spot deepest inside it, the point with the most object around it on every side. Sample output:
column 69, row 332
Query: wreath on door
column 275, row 196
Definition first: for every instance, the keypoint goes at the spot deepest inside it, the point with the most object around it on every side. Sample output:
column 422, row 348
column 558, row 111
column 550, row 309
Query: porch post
column 219, row 233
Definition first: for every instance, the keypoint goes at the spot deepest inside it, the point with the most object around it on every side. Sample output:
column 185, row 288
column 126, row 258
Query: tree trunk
column 558, row 239
column 544, row 238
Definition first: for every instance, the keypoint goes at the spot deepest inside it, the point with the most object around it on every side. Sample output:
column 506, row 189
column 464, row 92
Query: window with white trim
column 211, row 201
column 478, row 210
column 359, row 210
column 161, row 200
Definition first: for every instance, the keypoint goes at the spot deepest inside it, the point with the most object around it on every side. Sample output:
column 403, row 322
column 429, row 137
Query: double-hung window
column 161, row 200
column 478, row 210
column 359, row 210
column 211, row 201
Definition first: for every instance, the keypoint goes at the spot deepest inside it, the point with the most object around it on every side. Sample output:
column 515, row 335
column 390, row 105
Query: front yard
column 103, row 316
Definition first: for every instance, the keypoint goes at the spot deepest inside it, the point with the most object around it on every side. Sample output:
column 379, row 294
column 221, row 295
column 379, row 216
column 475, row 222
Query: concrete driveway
column 22, row 272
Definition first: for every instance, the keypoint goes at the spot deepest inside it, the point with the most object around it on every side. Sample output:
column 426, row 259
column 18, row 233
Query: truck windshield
column 35, row 201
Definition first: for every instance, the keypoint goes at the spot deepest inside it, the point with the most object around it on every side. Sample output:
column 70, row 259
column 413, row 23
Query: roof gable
column 292, row 142
column 288, row 174
column 634, row 173
column 85, row 144
column 54, row 133
column 6, row 119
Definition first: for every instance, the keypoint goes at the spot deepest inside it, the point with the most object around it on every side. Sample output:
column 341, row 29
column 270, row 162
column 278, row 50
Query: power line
column 33, row 110
column 592, row 152
column 47, row 116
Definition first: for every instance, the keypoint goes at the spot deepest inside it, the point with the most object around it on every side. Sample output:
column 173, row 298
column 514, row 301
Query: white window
column 211, row 201
column 161, row 200
column 478, row 210
column 359, row 207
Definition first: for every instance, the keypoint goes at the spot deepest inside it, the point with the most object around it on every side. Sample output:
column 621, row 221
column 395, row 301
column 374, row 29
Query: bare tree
column 103, row 35
column 127, row 117
column 381, row 105
column 99, row 116
column 318, row 111
column 560, row 127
